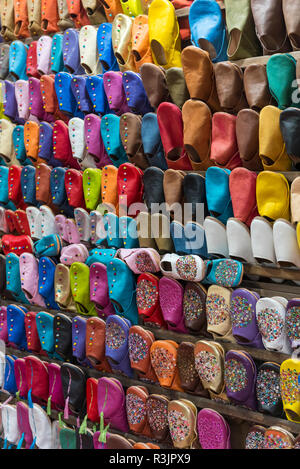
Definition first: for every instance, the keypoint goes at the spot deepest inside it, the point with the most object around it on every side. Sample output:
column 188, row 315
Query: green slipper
column 281, row 73
column 80, row 288
column 243, row 41
column 91, row 182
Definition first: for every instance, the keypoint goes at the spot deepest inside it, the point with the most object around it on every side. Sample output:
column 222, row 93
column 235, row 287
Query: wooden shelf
column 290, row 175
column 228, row 410
column 261, row 60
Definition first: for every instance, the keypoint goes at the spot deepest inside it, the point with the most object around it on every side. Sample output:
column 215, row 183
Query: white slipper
column 285, row 244
column 262, row 240
column 76, row 136
column 190, row 268
column 216, row 238
column 270, row 316
column 88, row 50
column 10, row 426
column 239, row 241
column 3, row 222
column 48, row 221
column 83, row 223
column 97, row 226
column 34, row 218
column 40, row 425
column 295, row 200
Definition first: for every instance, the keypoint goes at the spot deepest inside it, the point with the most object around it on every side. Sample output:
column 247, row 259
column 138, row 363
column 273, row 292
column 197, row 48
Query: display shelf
column 228, row 410
column 290, row 175
column 72, row 421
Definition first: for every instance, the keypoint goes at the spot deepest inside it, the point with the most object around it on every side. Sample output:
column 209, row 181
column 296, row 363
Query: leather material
column 74, row 388
column 95, row 11
column 153, row 187
column 151, row 140
column 65, row 20
column 289, row 125
column 177, row 86
column 37, row 378
column 71, row 53
column 172, row 136
column 33, row 340
column 34, row 17
column 115, row 93
column 268, row 375
column 136, row 96
column 243, row 202
column 256, row 86
column 49, row 16
column 62, row 328
column 121, row 41
column 268, row 18
column 189, row 377
column 21, row 19
column 292, row 22
column 230, row 87
column 157, row 415
column 194, row 193
column 281, row 73
column 97, row 95
column 31, row 61
column 208, row 29
column 224, row 149
column 194, row 308
column 155, row 84
column 106, row 55
column 77, row 13
column 136, row 398
column 272, row 149
column 4, row 59
column 164, row 34
column 244, row 326
column 111, row 401
column 243, row 41
column 247, row 135
column 7, row 20
column 130, row 132
column 197, row 137
column 44, row 46
column 199, row 75
column 244, row 390
column 141, row 45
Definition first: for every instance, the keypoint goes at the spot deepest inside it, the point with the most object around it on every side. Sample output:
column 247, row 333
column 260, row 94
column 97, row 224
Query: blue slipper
column 46, row 281
column 16, row 326
column 104, row 256
column 217, row 193
column 13, row 280
column 96, row 92
column 224, row 272
column 110, row 133
column 57, row 60
column 208, row 29
column 152, row 144
column 105, row 50
column 122, row 290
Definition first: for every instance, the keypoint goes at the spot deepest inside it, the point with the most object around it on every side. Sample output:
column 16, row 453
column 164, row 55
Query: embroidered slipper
column 189, row 377
column 191, row 268
column 218, row 312
column 240, row 378
column 139, row 344
column 82, row 220
column 13, row 279
column 163, row 355
column 255, row 438
column 157, row 416
column 62, row 288
column 209, row 363
column 136, row 398
column 46, row 281
column 194, row 308
column 78, row 338
column 272, row 323
column 140, row 260
column 172, row 311
column 182, row 416
column 289, row 372
column 213, row 430
column 278, row 438
column 268, row 392
column 147, row 300
column 226, row 273
column 33, row 341
column 16, row 328
column 243, row 317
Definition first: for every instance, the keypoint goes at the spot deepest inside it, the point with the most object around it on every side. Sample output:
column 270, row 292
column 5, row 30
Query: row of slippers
column 256, row 36
column 27, row 18
column 123, row 190
column 17, row 433
column 271, row 142
column 240, row 316
column 64, row 190
column 67, row 387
